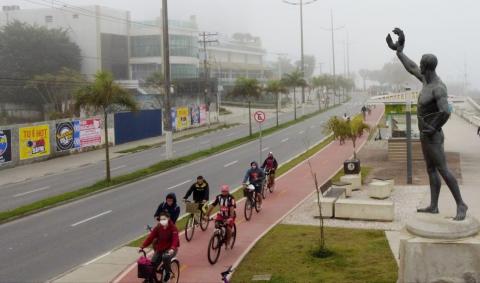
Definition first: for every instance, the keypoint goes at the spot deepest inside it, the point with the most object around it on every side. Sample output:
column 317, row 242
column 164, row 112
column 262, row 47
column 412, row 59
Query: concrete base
column 439, row 261
column 327, row 206
column 435, row 226
column 365, row 210
column 379, row 190
column 391, row 182
column 354, row 179
column 346, row 186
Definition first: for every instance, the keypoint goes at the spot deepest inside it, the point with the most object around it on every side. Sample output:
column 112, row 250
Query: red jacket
column 167, row 238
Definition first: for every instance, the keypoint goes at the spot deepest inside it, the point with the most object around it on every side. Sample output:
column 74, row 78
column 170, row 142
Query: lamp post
column 166, row 85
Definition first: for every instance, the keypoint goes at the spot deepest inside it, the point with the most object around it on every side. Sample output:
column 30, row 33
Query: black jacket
column 200, row 192
column 173, row 211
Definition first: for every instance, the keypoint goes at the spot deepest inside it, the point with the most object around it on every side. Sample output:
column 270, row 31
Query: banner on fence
column 34, row 142
column 5, row 146
column 203, row 114
column 195, row 115
column 89, row 132
column 182, row 118
column 65, row 136
column 174, row 118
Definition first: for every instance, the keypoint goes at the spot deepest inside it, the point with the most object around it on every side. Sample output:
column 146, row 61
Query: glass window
column 184, row 71
column 183, row 45
column 48, row 19
column 145, row 46
column 143, row 71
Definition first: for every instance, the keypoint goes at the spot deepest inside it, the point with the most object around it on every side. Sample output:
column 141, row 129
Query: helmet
column 270, row 153
column 224, row 188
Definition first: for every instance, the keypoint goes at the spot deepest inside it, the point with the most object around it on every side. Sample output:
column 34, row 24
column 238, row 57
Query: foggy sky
column 448, row 29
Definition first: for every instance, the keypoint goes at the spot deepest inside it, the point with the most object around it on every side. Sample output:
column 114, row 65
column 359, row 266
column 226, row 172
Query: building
column 110, row 40
column 240, row 55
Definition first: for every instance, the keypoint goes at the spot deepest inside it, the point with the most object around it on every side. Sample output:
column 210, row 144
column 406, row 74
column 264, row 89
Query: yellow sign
column 183, row 120
column 34, row 141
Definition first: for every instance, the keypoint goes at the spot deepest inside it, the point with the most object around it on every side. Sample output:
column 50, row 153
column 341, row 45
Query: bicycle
column 151, row 277
column 253, row 201
column 269, row 184
column 218, row 239
column 197, row 217
column 225, row 274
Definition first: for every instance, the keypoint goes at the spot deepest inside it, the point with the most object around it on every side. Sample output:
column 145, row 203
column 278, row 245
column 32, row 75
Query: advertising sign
column 203, row 114
column 64, row 136
column 182, row 118
column 5, row 146
column 195, row 113
column 90, row 132
column 34, row 142
column 174, row 118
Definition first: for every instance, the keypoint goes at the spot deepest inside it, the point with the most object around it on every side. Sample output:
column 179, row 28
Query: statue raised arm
column 398, row 46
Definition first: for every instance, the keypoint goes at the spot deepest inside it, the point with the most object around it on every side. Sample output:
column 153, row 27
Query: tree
column 26, row 51
column 364, row 74
column 294, row 80
column 58, row 90
column 102, row 95
column 249, row 88
column 350, row 129
column 156, row 80
column 309, row 62
column 282, row 66
column 276, row 87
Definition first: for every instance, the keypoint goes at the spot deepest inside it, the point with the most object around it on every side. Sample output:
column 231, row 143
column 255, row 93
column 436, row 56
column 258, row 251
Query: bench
column 364, row 209
column 379, row 189
column 354, row 179
column 344, row 185
column 387, row 179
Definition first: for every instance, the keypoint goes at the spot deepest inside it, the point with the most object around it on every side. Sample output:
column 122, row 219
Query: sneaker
column 166, row 277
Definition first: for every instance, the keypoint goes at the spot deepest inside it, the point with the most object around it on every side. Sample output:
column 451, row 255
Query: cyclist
column 200, row 190
column 270, row 164
column 169, row 206
column 226, row 213
column 167, row 242
column 255, row 176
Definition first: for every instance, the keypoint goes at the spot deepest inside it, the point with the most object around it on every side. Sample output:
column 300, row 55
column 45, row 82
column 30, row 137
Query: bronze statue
column 432, row 112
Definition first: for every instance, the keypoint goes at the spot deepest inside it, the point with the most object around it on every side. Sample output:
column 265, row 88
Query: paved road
column 14, row 195
column 291, row 189
column 47, row 244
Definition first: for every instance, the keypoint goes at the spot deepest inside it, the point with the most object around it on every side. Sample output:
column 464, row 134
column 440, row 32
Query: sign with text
column 259, row 116
column 5, row 146
column 88, row 132
column 34, row 142
column 64, row 136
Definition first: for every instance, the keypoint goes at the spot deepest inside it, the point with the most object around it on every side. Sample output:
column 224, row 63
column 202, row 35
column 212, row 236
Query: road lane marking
column 286, row 139
column 31, row 192
column 265, row 149
column 91, row 218
column 301, row 132
column 119, row 167
column 230, row 164
column 97, row 258
column 178, row 185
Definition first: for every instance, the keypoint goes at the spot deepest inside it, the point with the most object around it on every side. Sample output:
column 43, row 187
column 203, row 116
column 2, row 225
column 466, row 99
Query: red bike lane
column 291, row 190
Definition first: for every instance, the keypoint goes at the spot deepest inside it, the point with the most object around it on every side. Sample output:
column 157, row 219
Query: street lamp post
column 166, row 71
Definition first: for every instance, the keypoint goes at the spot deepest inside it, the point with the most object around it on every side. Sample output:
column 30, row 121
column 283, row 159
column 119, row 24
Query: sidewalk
column 291, row 190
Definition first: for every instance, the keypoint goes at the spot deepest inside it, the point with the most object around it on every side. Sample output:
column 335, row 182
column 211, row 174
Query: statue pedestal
column 437, row 249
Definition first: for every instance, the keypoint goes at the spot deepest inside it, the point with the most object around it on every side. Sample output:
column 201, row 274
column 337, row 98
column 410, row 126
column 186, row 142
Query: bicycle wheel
column 264, row 191
column 214, row 247
column 234, row 236
column 190, row 228
column 175, row 275
column 271, row 186
column 203, row 221
column 258, row 205
column 248, row 209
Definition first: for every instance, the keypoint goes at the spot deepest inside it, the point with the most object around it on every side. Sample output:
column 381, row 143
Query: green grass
column 139, row 174
column 286, row 253
column 184, row 137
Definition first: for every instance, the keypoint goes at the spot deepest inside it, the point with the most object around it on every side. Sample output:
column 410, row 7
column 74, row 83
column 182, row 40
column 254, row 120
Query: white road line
column 91, row 218
column 265, row 149
column 97, row 258
column 286, row 139
column 301, row 132
column 119, row 167
column 178, row 185
column 230, row 164
column 31, row 192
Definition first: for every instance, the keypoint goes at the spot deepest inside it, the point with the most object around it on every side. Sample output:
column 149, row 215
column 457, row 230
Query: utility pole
column 205, row 38
column 166, row 71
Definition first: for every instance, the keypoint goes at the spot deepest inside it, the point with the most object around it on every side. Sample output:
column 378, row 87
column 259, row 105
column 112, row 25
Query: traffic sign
column 259, row 116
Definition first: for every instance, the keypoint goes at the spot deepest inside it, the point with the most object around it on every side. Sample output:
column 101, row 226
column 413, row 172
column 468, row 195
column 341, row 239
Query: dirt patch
column 375, row 155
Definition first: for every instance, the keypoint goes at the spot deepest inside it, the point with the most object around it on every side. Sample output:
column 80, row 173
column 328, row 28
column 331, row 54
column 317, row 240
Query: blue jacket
column 254, row 176
column 173, row 210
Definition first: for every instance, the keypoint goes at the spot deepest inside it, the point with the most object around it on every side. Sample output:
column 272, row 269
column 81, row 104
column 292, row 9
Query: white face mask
column 164, row 222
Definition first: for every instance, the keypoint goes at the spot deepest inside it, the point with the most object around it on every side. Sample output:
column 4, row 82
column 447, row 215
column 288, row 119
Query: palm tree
column 247, row 88
column 349, row 129
column 276, row 87
column 156, row 79
column 294, row 80
column 101, row 95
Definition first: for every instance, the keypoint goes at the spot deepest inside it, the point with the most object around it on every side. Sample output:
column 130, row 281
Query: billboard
column 174, row 118
column 89, row 132
column 65, row 136
column 34, row 142
column 5, row 146
column 182, row 118
column 195, row 115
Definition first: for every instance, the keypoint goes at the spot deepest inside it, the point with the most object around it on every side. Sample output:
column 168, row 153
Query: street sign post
column 260, row 117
